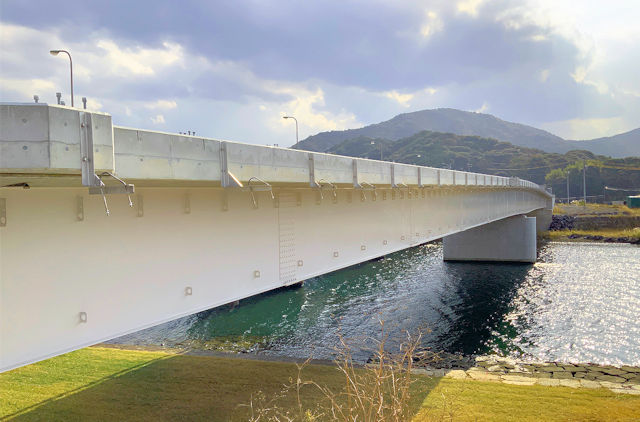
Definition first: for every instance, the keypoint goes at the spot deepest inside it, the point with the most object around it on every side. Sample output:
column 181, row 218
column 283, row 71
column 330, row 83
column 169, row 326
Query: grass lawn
column 111, row 384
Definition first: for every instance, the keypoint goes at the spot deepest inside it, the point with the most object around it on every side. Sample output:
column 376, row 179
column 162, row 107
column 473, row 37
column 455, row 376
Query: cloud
column 431, row 25
column 402, row 99
column 138, row 60
column 588, row 128
column 469, row 7
column 158, row 119
column 161, row 105
column 337, row 64
column 483, row 108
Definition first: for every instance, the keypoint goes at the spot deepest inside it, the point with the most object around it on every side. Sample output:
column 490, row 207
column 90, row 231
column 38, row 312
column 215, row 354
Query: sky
column 232, row 69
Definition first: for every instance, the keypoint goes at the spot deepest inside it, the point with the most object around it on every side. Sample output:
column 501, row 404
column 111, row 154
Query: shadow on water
column 455, row 305
column 474, row 301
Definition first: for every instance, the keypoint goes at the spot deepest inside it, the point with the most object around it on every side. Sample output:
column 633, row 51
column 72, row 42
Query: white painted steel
column 70, row 276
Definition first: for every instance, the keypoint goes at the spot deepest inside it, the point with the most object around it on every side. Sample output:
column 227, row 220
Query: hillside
column 486, row 155
column 476, row 124
column 622, row 145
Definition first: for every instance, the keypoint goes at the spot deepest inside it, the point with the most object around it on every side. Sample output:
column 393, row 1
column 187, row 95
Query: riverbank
column 113, row 384
column 594, row 223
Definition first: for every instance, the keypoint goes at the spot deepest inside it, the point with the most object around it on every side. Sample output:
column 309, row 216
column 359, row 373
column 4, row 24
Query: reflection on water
column 580, row 302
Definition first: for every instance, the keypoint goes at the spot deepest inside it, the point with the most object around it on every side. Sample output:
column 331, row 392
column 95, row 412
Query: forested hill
column 441, row 120
column 476, row 124
column 486, row 155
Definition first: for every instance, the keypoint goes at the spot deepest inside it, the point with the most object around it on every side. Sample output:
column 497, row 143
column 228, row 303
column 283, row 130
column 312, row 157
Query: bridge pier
column 512, row 239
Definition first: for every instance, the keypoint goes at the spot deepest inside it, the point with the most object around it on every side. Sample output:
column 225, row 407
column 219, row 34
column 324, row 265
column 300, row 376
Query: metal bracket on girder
column 102, row 189
column 89, row 177
column 367, row 186
column 354, row 166
column 265, row 187
column 320, row 184
column 393, row 176
column 227, row 179
column 312, row 172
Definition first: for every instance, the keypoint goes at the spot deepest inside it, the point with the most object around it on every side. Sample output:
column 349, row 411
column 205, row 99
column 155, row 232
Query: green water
column 579, row 302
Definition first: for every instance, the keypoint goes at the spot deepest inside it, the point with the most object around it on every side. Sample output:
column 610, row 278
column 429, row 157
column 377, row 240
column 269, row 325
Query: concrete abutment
column 512, row 239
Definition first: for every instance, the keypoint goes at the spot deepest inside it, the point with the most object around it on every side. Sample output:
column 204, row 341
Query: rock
column 589, row 384
column 541, row 374
column 579, row 374
column 496, row 368
column 611, row 370
column 548, row 382
column 428, row 372
column 562, row 375
column 630, row 369
column 483, row 376
column 611, row 378
column 548, row 368
column 456, row 374
column 593, row 375
column 635, row 380
column 570, row 383
column 579, row 369
column 518, row 380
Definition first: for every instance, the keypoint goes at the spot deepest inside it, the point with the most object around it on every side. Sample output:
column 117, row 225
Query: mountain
column 622, row 145
column 478, row 124
column 480, row 154
column 487, row 155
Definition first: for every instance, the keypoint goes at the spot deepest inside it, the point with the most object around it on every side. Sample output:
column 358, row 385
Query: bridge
column 106, row 230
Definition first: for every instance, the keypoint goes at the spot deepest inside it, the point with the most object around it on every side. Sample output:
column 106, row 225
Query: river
column 580, row 302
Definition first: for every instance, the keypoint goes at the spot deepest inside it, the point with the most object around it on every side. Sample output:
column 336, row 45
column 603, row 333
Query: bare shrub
column 377, row 391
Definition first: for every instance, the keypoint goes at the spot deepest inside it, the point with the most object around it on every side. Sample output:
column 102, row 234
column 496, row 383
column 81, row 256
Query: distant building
column 633, row 201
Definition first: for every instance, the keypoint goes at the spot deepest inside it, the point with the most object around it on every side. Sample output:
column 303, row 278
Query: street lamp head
column 286, row 117
column 54, row 52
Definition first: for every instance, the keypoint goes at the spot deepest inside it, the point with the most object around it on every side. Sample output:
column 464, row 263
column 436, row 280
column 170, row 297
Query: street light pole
column 584, row 182
column 296, row 120
column 55, row 53
column 568, row 172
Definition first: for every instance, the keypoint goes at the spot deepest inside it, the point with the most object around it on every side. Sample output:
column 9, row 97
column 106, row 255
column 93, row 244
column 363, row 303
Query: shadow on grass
column 183, row 387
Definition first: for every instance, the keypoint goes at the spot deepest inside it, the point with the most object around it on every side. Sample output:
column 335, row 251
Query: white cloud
column 483, row 109
column 470, row 7
column 305, row 109
column 27, row 87
column 139, row 61
column 431, row 25
column 402, row 99
column 161, row 105
column 544, row 75
column 158, row 120
column 588, row 128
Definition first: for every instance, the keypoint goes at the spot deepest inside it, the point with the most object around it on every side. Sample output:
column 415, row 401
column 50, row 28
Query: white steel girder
column 71, row 276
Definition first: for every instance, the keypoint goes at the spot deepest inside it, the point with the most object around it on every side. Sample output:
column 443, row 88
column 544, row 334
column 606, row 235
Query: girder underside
column 71, row 276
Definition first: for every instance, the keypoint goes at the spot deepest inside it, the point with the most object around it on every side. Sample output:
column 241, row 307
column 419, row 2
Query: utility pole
column 584, row 181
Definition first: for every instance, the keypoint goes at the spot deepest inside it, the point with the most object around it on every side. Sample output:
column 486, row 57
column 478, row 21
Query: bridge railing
column 49, row 139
